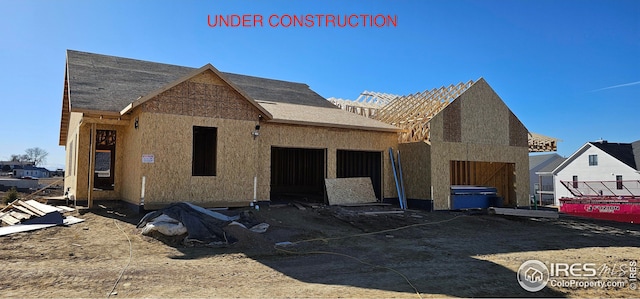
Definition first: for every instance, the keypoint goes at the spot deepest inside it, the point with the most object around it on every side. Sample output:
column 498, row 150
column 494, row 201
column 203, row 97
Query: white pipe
column 255, row 188
column 144, row 181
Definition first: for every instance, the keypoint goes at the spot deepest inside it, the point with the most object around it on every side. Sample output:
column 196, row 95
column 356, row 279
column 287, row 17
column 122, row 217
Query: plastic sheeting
column 199, row 224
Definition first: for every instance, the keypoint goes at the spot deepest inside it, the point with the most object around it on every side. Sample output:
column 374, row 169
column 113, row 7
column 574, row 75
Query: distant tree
column 6, row 168
column 16, row 158
column 36, row 155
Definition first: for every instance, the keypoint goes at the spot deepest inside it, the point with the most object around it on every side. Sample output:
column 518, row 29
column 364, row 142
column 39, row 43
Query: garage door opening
column 352, row 164
column 297, row 174
column 499, row 175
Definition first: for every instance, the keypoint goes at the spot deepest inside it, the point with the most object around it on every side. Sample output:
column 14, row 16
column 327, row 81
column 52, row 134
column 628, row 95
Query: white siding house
column 604, row 166
column 30, row 171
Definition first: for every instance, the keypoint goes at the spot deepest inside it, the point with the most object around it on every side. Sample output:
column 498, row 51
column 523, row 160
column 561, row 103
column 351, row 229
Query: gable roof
column 537, row 160
column 262, row 89
column 627, row 153
column 193, row 73
column 621, row 151
column 30, row 167
column 551, row 165
column 110, row 85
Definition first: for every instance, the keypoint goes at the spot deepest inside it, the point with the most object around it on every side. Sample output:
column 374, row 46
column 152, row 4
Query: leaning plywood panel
column 349, row 191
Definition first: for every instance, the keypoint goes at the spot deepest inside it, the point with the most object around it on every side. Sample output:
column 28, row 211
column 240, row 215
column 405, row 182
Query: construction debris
column 299, row 206
column 524, row 213
column 195, row 225
column 21, row 216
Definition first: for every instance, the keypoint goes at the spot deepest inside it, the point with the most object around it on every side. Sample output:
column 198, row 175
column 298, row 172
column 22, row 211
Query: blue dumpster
column 474, row 197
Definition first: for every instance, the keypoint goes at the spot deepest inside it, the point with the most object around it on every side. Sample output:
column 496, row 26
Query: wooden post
column 92, row 166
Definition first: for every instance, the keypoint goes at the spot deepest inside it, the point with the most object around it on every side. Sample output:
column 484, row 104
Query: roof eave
column 571, row 158
column 340, row 126
column 66, row 108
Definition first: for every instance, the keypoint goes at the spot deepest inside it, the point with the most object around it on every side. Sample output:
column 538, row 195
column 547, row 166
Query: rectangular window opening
column 575, row 181
column 593, row 160
column 205, row 141
column 619, row 185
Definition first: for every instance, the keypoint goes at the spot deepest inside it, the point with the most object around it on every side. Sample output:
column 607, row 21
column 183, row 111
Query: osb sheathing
column 297, row 136
column 488, row 131
column 132, row 139
column 518, row 134
column 416, row 169
column 203, row 95
column 342, row 191
column 166, row 131
column 169, row 138
column 452, row 130
column 70, row 179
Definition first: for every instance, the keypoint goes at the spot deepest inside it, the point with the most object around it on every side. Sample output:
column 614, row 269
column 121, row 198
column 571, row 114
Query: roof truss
column 414, row 112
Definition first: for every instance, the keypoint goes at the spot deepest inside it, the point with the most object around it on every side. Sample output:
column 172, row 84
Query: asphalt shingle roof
column 108, row 83
column 622, row 151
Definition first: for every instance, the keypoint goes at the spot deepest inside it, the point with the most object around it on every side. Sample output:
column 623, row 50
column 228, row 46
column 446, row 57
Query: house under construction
column 150, row 134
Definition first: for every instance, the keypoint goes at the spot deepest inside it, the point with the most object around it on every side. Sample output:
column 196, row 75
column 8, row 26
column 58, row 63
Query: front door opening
column 104, row 173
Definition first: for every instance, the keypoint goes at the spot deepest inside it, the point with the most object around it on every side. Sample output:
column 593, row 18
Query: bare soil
column 336, row 252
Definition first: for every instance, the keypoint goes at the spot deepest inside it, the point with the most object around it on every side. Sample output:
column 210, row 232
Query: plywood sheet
column 43, row 207
column 525, row 213
column 12, row 229
column 349, row 191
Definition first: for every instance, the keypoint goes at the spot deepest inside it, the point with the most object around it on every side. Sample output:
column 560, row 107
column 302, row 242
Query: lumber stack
column 21, row 211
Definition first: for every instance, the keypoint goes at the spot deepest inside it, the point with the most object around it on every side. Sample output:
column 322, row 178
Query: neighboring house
column 151, row 134
column 541, row 179
column 8, row 166
column 30, row 171
column 600, row 168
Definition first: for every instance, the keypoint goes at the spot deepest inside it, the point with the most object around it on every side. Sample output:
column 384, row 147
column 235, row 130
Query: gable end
column 518, row 134
column 204, row 95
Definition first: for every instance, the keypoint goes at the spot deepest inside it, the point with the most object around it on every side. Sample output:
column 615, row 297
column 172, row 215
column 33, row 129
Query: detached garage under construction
column 461, row 134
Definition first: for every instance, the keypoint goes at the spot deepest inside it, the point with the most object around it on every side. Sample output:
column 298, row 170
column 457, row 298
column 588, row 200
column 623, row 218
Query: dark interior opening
column 351, row 164
column 205, row 141
column 105, row 160
column 297, row 174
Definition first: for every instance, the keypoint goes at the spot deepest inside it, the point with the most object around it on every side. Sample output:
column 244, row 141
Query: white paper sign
column 148, row 159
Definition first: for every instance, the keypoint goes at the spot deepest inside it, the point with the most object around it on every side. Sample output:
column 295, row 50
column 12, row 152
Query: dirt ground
column 337, row 252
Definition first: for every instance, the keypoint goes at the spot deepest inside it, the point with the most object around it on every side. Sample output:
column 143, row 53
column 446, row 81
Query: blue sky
column 567, row 69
